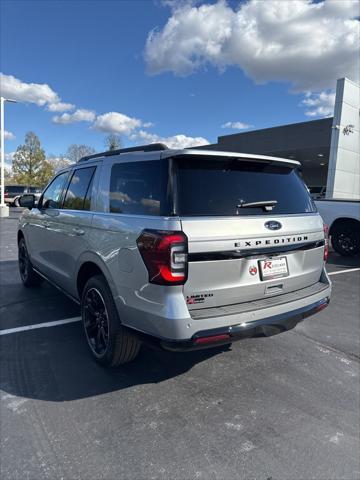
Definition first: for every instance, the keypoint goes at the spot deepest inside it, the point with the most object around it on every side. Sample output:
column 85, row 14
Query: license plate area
column 271, row 268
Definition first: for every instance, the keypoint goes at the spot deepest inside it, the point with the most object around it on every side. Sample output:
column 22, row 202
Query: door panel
column 67, row 230
column 39, row 221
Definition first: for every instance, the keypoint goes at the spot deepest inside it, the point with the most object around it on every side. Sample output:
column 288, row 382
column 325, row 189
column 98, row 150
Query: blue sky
column 94, row 55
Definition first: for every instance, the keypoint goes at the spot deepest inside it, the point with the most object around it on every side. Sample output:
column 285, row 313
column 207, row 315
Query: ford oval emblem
column 273, row 225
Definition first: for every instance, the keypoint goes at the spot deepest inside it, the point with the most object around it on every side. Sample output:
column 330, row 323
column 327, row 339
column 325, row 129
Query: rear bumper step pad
column 267, row 302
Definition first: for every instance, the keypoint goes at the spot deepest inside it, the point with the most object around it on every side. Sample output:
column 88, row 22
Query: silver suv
column 185, row 248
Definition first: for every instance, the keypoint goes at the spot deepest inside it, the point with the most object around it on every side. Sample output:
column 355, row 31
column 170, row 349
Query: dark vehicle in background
column 13, row 193
column 317, row 192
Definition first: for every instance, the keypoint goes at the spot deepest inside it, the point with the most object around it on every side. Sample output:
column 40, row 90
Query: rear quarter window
column 217, row 186
column 140, row 188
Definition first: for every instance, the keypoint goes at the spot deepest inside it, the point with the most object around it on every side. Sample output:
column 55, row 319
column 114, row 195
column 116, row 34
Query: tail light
column 165, row 256
column 326, row 248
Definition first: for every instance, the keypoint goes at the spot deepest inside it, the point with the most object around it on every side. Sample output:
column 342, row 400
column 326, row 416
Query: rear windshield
column 217, row 187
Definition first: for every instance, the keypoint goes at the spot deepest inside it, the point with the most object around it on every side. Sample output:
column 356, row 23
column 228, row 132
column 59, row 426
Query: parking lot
column 285, row 407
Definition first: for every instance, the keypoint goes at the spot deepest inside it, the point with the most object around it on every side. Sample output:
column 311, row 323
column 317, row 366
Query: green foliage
column 29, row 164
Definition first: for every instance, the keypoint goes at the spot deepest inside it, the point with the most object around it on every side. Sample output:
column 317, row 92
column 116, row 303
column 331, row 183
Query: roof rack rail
column 152, row 147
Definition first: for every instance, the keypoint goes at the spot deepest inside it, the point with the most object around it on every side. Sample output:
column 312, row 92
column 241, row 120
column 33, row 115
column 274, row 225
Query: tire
column 345, row 239
column 110, row 343
column 16, row 202
column 27, row 273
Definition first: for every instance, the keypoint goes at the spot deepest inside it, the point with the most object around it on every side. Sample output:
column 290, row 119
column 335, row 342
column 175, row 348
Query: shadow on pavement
column 21, row 306
column 345, row 262
column 54, row 364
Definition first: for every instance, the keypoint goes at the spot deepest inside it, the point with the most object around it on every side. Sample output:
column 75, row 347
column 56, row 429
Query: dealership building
column 328, row 149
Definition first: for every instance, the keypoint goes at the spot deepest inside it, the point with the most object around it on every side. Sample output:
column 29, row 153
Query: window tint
column 52, row 195
column 139, row 188
column 15, row 190
column 216, row 187
column 78, row 193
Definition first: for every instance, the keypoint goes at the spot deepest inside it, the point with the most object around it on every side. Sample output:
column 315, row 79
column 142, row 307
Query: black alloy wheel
column 346, row 241
column 23, row 261
column 96, row 322
column 28, row 275
column 110, row 343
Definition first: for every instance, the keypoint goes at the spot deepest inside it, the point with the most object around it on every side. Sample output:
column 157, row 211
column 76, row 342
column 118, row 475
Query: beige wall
column 344, row 162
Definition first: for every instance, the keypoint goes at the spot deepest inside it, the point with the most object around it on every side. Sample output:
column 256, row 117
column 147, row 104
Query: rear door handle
column 46, row 224
column 78, row 231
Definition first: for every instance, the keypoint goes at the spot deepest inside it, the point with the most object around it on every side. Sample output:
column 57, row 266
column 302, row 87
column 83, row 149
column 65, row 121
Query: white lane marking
column 344, row 271
column 39, row 325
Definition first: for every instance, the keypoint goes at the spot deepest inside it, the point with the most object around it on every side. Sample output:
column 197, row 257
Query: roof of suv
column 216, row 153
column 166, row 152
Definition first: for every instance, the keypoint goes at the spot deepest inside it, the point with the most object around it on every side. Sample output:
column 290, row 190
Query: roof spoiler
column 152, row 147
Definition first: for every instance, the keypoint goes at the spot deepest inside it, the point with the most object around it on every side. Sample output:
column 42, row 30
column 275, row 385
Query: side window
column 52, row 195
column 138, row 188
column 78, row 195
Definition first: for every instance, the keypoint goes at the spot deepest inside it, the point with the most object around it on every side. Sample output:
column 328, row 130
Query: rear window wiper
column 266, row 205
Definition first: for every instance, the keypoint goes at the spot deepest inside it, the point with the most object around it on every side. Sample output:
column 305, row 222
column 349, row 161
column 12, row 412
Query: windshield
column 210, row 186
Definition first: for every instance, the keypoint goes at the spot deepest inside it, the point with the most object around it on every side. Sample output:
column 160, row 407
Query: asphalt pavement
column 285, row 407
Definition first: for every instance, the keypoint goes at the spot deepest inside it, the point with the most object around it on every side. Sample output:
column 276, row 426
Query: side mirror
column 27, row 201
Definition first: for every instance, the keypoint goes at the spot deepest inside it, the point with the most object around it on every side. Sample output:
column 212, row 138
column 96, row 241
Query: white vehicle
column 343, row 220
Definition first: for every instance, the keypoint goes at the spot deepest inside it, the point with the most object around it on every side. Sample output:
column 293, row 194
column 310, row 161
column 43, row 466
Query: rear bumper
column 264, row 327
column 179, row 329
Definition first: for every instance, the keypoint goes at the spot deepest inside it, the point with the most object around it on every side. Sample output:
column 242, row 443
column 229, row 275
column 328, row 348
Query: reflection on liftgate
column 151, row 257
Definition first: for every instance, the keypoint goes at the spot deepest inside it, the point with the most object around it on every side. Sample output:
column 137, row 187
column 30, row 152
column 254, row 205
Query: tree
column 8, row 174
column 29, row 164
column 112, row 142
column 46, row 173
column 75, row 152
column 58, row 162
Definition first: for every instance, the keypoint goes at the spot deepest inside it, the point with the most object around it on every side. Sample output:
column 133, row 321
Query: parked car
column 343, row 219
column 34, row 190
column 186, row 249
column 12, row 193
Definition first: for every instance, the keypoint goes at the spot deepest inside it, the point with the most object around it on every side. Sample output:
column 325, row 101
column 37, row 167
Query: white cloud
column 236, row 125
column 60, row 107
column 9, row 135
column 176, row 141
column 115, row 122
column 148, row 124
column 39, row 93
column 309, row 44
column 319, row 104
column 80, row 115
